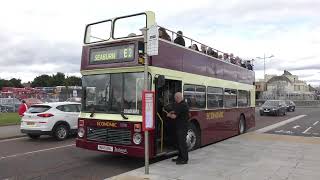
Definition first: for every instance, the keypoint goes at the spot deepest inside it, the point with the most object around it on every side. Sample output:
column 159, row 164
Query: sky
column 44, row 37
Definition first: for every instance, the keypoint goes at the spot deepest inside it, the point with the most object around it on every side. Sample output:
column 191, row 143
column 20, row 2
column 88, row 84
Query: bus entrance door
column 165, row 127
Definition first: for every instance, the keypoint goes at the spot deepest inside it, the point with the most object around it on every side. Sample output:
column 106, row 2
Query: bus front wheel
column 193, row 137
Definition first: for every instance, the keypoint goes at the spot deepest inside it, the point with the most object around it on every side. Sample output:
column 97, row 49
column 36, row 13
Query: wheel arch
column 61, row 123
column 197, row 125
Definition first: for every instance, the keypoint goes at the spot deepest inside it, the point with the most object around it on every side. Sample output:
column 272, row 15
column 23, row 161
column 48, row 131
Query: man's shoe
column 175, row 159
column 181, row 162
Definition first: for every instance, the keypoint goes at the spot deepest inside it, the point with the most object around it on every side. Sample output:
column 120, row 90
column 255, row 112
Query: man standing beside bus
column 180, row 114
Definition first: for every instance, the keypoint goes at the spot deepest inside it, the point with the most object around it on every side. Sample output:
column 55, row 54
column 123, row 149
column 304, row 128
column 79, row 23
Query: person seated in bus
column 226, row 57
column 132, row 35
column 203, row 49
column 215, row 54
column 163, row 34
column 237, row 60
column 249, row 65
column 243, row 64
column 210, row 51
column 195, row 47
column 179, row 39
column 232, row 59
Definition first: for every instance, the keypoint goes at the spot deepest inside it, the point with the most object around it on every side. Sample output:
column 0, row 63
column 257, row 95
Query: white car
column 58, row 119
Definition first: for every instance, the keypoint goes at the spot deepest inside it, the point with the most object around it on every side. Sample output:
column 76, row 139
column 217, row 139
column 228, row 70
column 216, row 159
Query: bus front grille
column 112, row 136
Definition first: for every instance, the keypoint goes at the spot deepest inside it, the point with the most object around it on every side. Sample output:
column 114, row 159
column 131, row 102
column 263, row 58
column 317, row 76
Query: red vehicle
column 220, row 94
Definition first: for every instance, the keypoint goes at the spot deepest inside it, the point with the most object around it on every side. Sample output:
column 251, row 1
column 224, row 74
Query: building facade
column 286, row 86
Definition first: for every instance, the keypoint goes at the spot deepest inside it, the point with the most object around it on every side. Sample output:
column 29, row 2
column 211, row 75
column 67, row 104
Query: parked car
column 274, row 107
column 58, row 119
column 290, row 105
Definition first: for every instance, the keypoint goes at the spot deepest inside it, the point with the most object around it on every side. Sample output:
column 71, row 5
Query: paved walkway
column 10, row 132
column 252, row 156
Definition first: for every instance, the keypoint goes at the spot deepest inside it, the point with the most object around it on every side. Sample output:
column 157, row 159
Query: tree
column 41, row 81
column 72, row 81
column 15, row 82
column 58, row 79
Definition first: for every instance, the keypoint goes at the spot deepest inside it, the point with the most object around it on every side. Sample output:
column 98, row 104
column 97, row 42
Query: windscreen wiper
column 123, row 116
column 93, row 111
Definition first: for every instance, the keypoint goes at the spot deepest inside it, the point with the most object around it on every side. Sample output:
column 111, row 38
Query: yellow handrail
column 161, row 131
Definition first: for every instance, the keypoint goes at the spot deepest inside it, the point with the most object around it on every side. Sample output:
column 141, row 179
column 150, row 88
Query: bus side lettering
column 214, row 115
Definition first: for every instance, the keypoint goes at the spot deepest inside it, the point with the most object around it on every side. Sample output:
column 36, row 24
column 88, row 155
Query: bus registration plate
column 105, row 148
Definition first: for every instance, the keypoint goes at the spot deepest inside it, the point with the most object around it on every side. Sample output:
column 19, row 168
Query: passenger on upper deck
column 204, row 49
column 163, row 34
column 249, row 65
column 179, row 39
column 210, row 52
column 195, row 47
column 132, row 35
column 232, row 59
column 237, row 60
column 215, row 54
column 226, row 57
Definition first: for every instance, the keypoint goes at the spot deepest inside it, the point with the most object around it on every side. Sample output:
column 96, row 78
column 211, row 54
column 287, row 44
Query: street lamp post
column 264, row 64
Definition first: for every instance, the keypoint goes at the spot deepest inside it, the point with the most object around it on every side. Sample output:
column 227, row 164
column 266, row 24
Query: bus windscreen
column 98, row 32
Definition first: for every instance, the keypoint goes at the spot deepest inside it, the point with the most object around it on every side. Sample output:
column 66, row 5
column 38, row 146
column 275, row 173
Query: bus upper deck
column 119, row 42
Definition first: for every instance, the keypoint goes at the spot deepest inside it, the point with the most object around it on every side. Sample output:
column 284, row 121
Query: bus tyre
column 33, row 136
column 61, row 132
column 193, row 137
column 242, row 125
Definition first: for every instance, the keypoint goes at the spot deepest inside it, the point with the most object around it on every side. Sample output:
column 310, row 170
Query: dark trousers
column 182, row 145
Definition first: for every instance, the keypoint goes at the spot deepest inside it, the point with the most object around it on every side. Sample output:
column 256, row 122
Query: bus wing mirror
column 161, row 81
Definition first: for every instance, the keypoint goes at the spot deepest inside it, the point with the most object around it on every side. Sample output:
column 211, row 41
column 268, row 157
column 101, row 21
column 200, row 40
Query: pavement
column 12, row 131
column 255, row 155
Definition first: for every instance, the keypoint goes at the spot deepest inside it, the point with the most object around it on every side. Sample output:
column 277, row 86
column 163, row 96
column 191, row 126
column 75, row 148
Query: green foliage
column 72, row 81
column 58, row 79
column 9, row 118
column 10, row 83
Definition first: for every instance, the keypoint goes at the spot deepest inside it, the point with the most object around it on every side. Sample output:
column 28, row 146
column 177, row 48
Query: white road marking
column 315, row 123
column 12, row 139
column 304, row 132
column 295, row 127
column 273, row 126
column 32, row 152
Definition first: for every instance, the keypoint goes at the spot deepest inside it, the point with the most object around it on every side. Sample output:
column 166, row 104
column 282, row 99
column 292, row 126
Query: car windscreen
column 38, row 109
column 271, row 103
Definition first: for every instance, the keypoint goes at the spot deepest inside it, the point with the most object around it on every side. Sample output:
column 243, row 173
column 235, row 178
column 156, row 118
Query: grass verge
column 9, row 118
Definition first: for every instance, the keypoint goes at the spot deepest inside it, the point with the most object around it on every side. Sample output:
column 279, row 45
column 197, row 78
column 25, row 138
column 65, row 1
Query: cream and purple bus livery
column 220, row 94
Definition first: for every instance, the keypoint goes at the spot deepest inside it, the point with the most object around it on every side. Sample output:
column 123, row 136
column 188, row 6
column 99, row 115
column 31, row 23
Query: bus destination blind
column 115, row 54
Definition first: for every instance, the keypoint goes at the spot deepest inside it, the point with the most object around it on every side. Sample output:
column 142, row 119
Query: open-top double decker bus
column 220, row 94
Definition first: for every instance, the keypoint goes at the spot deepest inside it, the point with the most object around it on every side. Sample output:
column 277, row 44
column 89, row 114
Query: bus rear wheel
column 193, row 137
column 242, row 125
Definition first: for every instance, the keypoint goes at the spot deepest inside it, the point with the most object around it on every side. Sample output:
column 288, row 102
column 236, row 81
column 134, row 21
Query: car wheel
column 33, row 136
column 242, row 125
column 284, row 113
column 61, row 132
column 261, row 114
column 193, row 137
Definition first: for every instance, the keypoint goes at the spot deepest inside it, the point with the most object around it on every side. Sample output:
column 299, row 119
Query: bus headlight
column 81, row 132
column 137, row 138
